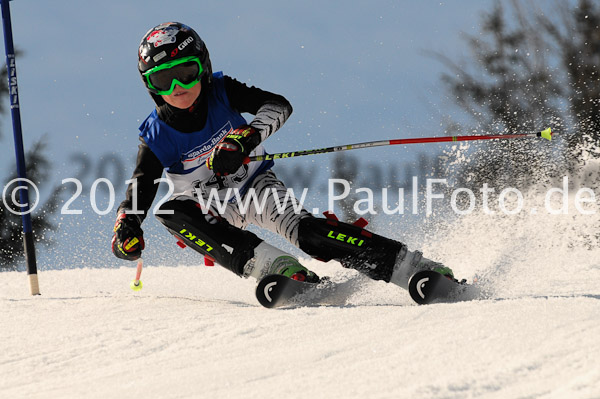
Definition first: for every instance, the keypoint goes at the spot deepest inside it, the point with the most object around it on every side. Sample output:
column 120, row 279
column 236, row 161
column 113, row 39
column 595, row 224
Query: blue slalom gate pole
column 13, row 91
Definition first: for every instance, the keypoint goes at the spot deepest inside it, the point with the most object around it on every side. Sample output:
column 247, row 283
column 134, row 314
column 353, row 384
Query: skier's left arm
column 270, row 112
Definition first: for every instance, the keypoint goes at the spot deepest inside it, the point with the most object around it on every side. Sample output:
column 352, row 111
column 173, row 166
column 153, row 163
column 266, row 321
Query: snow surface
column 198, row 332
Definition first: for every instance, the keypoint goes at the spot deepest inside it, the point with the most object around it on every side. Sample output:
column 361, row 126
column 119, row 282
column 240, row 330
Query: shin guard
column 350, row 244
column 230, row 246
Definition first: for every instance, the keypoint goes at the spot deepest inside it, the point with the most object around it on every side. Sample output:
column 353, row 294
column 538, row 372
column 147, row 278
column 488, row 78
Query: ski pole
column 546, row 134
column 13, row 90
column 136, row 284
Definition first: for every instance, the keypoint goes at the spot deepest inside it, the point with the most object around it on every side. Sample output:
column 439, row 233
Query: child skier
column 197, row 134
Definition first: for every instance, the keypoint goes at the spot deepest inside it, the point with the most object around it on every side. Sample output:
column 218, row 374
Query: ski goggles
column 185, row 72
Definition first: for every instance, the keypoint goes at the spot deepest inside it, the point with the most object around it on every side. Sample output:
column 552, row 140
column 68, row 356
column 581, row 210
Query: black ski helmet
column 170, row 41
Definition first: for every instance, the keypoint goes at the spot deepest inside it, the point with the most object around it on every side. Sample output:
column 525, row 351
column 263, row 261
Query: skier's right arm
column 148, row 168
column 128, row 238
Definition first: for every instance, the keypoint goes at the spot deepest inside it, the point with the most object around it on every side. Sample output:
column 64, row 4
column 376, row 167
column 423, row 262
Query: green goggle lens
column 184, row 72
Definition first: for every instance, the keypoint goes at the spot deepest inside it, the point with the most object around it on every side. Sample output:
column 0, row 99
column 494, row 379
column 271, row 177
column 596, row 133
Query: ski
column 276, row 290
column 427, row 287
column 424, row 287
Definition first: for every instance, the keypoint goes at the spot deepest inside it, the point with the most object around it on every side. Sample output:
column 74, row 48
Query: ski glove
column 232, row 152
column 128, row 240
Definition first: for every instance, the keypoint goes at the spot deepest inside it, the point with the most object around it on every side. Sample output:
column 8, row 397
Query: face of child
column 183, row 98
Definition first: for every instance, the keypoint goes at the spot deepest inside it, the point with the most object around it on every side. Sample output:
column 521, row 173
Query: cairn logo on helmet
column 163, row 36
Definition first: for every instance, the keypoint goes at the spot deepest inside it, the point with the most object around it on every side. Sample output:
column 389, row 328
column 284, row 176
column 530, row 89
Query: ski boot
column 290, row 267
column 447, row 272
column 410, row 262
column 270, row 260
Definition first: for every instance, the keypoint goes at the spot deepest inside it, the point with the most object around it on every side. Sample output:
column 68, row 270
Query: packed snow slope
column 198, row 332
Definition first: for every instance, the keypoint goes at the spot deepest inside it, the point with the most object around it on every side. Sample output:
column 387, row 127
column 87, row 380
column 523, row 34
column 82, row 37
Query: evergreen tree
column 576, row 41
column 11, row 230
column 523, row 76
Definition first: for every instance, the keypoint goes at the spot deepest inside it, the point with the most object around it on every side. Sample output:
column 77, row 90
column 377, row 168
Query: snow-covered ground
column 198, row 332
